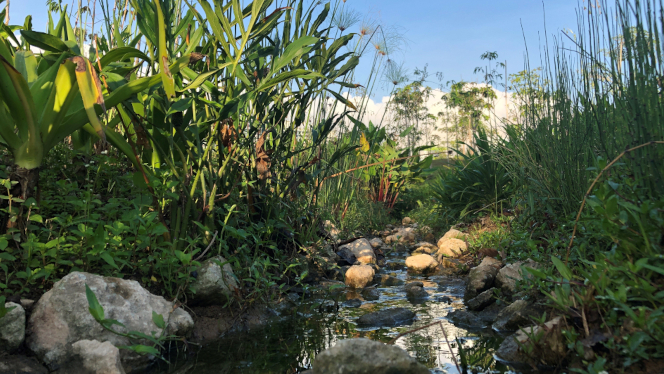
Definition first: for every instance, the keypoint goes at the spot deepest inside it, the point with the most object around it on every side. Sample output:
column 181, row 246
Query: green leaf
column 109, row 259
column 141, row 349
column 294, row 50
column 158, row 320
column 7, row 256
column 95, row 308
column 562, row 268
column 44, row 41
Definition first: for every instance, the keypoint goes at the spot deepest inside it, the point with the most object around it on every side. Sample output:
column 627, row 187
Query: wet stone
column 387, row 317
column 482, row 300
column 353, row 303
column 416, row 292
column 371, row 294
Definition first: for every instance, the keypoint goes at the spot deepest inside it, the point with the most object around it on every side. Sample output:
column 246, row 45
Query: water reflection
column 289, row 345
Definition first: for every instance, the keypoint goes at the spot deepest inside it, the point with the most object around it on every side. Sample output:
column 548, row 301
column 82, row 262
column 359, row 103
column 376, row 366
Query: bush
column 477, row 182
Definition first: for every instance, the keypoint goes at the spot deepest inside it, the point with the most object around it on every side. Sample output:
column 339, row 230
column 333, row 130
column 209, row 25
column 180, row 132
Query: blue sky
column 449, row 35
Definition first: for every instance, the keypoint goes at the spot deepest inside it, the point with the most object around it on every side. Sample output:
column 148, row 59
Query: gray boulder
column 364, row 356
column 482, row 300
column 388, row 280
column 479, row 280
column 93, row 357
column 362, row 250
column 12, row 328
column 61, row 318
column 416, row 292
column 215, row 284
column 387, row 317
column 509, row 275
column 376, row 243
column 371, row 294
column 512, row 317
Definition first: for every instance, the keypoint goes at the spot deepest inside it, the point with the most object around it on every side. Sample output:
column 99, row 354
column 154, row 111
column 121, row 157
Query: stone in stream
column 416, row 292
column 371, row 294
column 91, row 356
column 12, row 328
column 422, row 263
column 395, row 266
column 359, row 276
column 21, row 364
column 376, row 243
column 451, row 248
column 426, row 248
column 364, row 356
column 482, row 300
column 214, row 284
column 480, row 279
column 452, row 234
column 362, row 250
column 387, row 317
column 61, row 318
column 387, row 280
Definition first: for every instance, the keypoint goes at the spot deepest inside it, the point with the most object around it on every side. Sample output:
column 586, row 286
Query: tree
column 471, row 101
column 411, row 114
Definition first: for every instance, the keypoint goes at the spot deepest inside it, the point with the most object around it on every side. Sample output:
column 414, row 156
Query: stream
column 289, row 344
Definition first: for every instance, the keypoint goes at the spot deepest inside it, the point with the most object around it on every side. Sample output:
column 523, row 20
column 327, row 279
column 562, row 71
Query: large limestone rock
column 548, row 350
column 358, row 276
column 480, row 279
column 61, row 317
column 362, row 250
column 355, row 356
column 387, row 317
column 452, row 234
column 452, row 248
column 93, row 357
column 509, row 275
column 12, row 328
column 376, row 243
column 215, row 284
column 421, row 263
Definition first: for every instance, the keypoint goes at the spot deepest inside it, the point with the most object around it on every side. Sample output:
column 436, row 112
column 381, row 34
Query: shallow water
column 289, row 344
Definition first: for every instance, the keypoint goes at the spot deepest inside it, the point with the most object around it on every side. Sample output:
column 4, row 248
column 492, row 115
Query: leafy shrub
column 477, row 182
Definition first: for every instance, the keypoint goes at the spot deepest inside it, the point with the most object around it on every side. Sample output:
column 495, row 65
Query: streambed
column 290, row 342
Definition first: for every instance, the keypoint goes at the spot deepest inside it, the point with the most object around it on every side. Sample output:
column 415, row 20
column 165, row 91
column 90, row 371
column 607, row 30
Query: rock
column 452, row 248
column 479, row 280
column 215, row 284
column 12, row 328
column 416, row 293
column 414, row 284
column 390, row 239
column 429, row 237
column 512, row 317
column 358, row 276
column 22, row 365
column 451, row 263
column 490, row 261
column 328, row 306
column 362, row 250
column 482, row 300
column 452, row 234
column 388, row 281
column 371, row 294
column 549, row 350
column 27, row 304
column 475, row 320
column 61, row 317
column 376, row 243
column 424, row 247
column 421, row 263
column 395, row 266
column 346, row 257
column 359, row 356
column 353, row 303
column 93, row 357
column 509, row 275
column 387, row 317
column 406, row 221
